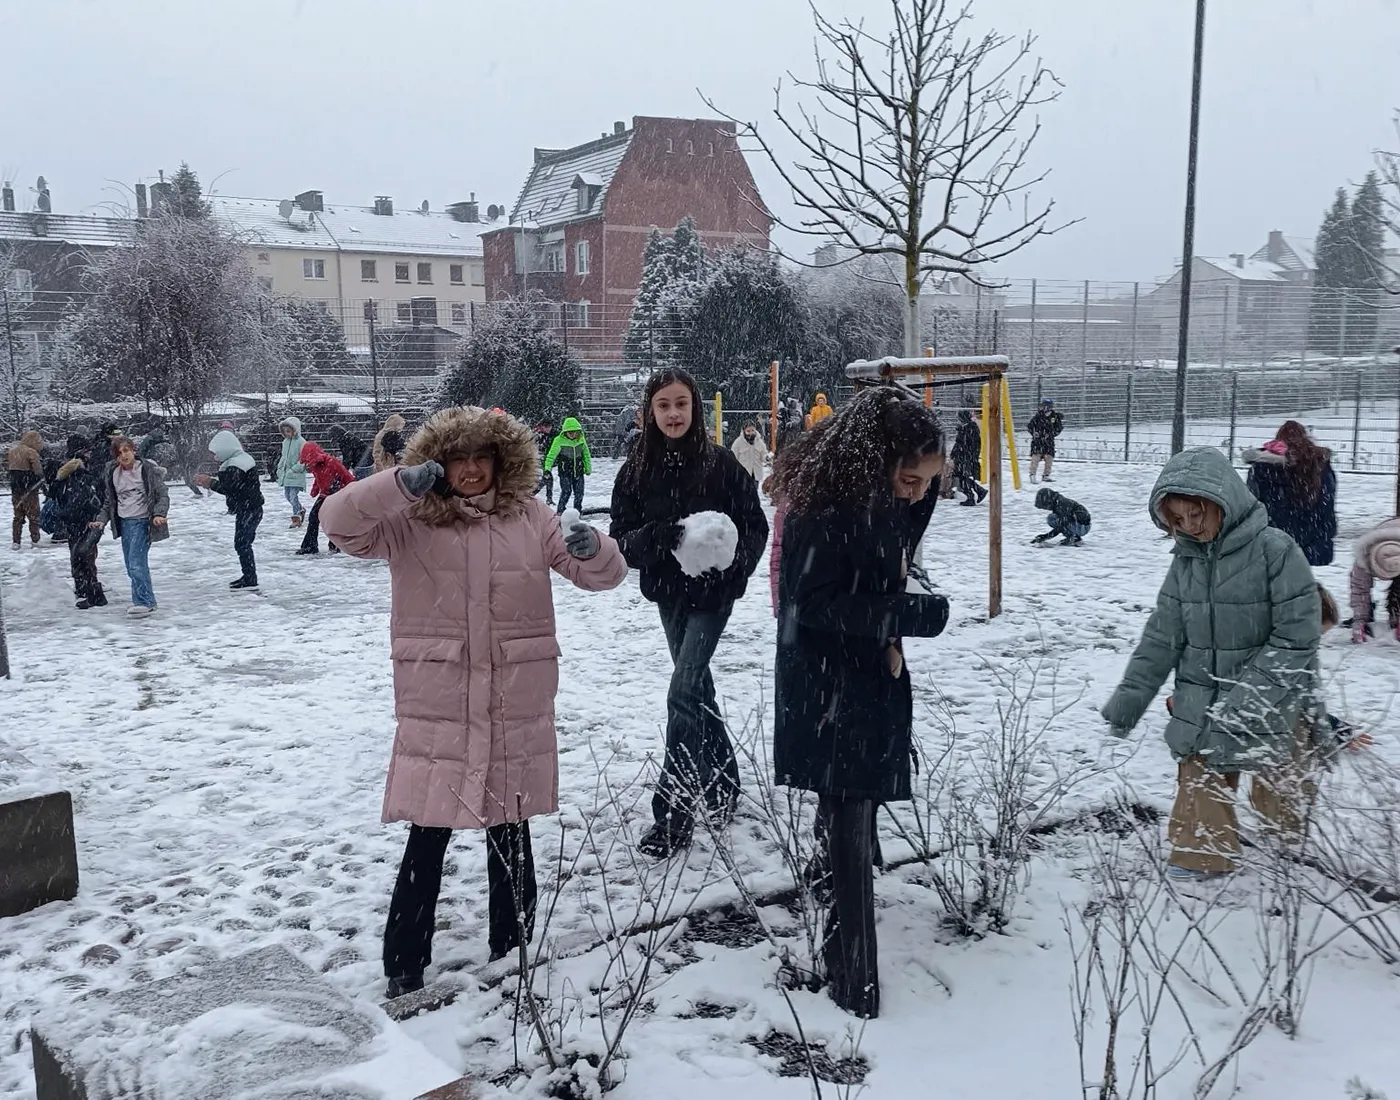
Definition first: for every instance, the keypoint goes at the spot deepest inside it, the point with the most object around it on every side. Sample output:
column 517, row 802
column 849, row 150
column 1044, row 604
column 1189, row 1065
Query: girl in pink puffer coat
column 475, row 655
column 1377, row 557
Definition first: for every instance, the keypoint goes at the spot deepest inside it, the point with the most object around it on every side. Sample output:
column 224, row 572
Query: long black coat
column 1313, row 526
column 967, row 449
column 643, row 518
column 1045, row 426
column 844, row 721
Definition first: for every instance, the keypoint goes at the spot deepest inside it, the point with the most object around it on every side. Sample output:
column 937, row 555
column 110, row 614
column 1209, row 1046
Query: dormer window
column 587, row 187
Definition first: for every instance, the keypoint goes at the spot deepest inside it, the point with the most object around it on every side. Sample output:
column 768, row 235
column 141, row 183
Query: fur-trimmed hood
column 456, row 433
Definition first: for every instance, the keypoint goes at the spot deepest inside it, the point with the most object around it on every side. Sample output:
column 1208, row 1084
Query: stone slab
column 261, row 1024
column 38, row 852
column 460, row 1089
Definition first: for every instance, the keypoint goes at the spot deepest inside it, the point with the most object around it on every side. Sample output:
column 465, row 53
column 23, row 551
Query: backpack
column 50, row 516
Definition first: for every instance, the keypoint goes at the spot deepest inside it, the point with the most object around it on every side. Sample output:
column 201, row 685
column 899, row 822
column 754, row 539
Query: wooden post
column 928, row 390
column 719, row 419
column 993, row 437
column 773, row 406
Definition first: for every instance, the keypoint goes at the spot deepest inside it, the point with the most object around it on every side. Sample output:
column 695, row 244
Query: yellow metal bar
column 1010, row 433
column 719, row 419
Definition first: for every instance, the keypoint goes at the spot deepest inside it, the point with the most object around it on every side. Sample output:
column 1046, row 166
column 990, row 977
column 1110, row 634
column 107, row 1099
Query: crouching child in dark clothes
column 237, row 482
column 1067, row 517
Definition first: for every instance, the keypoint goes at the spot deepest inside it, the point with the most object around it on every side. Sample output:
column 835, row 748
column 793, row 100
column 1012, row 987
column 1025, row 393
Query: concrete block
column 38, row 853
column 261, row 1024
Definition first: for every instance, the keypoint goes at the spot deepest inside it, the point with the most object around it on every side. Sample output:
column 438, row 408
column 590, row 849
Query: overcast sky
column 438, row 98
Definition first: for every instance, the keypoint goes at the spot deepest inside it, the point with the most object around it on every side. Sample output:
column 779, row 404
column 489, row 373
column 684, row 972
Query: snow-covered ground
column 227, row 760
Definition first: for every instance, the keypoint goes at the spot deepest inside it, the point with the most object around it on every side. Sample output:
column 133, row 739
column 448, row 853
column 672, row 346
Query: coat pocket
column 529, row 676
column 430, row 680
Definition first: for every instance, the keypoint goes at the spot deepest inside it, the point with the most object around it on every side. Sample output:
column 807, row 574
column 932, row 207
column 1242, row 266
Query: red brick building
column 579, row 228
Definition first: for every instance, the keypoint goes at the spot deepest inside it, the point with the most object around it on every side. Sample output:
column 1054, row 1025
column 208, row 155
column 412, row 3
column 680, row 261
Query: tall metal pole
column 1188, row 248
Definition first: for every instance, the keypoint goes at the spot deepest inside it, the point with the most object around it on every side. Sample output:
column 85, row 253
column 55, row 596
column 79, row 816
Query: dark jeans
column 245, row 530
column 546, row 483
column 510, row 875
column 700, row 760
column 849, row 948
column 82, row 561
column 1060, row 526
column 570, row 484
column 312, row 539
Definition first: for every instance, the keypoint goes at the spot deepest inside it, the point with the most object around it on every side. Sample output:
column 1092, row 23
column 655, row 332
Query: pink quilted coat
column 476, row 658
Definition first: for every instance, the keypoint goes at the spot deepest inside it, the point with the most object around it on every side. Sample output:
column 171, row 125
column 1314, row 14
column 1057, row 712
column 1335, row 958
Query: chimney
column 161, row 193
column 1275, row 246
column 142, row 210
column 619, row 128
column 7, row 198
column 1238, row 257
column 383, row 206
column 311, row 201
column 468, row 211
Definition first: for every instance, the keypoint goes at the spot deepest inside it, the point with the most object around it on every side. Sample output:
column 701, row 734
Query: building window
column 711, row 149
column 403, row 311
column 401, row 273
column 459, row 313
column 690, row 148
column 581, row 258
column 369, row 271
column 322, row 305
column 21, row 284
column 554, row 258
column 479, row 273
column 265, row 281
column 371, row 310
column 264, row 258
column 425, row 273
column 313, row 269
column 454, row 274
column 582, row 314
column 670, row 146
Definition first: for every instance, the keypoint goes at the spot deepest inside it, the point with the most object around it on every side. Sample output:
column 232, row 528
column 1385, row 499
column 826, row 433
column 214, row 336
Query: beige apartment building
column 414, row 267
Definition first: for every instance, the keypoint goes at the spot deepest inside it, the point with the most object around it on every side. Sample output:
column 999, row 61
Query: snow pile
column 708, row 541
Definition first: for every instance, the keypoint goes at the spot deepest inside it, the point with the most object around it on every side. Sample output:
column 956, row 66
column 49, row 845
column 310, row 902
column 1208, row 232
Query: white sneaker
column 136, row 611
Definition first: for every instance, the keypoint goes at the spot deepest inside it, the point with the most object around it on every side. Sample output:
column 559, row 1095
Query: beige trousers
column 1049, row 461
column 1204, row 832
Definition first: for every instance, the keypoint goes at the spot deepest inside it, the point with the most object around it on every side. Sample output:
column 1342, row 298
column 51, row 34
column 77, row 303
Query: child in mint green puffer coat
column 1237, row 625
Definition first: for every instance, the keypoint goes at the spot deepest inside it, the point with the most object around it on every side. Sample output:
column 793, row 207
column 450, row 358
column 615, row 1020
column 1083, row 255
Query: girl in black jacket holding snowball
column 674, row 471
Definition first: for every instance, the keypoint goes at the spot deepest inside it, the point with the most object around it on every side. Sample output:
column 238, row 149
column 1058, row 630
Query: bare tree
column 913, row 146
column 1388, row 169
column 20, row 375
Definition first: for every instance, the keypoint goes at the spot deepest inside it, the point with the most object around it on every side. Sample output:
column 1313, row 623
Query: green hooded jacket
column 578, row 460
column 291, row 474
column 1238, row 621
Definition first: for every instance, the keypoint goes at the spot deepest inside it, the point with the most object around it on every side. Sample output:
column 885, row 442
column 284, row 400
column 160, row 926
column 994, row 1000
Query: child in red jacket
column 329, row 477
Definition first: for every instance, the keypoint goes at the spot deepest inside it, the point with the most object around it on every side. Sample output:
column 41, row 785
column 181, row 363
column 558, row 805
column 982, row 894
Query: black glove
column 932, row 616
column 417, row 480
column 582, row 540
column 668, row 535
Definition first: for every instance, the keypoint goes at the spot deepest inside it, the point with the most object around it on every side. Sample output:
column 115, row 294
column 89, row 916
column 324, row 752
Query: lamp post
column 1188, row 248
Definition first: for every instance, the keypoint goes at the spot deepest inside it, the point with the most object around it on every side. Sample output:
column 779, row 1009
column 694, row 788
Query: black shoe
column 83, row 605
column 659, row 842
column 1041, row 539
column 244, row 584
column 1072, row 540
column 969, row 502
column 335, row 550
column 100, row 600
column 308, row 550
column 398, row 987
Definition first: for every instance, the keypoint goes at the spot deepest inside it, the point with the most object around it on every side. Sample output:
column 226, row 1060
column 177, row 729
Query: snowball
column 708, row 541
column 568, row 518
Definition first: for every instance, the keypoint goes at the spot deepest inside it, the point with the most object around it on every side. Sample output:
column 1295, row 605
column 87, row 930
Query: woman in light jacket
column 475, row 659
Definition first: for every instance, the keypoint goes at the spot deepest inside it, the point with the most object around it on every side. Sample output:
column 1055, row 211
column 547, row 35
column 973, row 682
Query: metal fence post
column 1128, row 419
column 1132, row 355
column 1225, row 330
column 1084, row 358
column 1342, row 329
column 1034, row 372
column 1234, row 413
column 1356, row 424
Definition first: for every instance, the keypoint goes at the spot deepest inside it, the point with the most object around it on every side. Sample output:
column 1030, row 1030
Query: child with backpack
column 1237, row 624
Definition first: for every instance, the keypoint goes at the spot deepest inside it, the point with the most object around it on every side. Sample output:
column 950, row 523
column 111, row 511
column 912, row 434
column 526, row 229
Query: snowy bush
column 708, row 541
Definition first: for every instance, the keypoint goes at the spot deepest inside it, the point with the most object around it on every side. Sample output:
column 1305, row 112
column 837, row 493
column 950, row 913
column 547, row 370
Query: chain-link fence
column 1261, row 350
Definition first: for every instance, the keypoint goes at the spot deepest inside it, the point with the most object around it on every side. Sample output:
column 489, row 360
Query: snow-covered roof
column 1305, row 249
column 550, row 195
column 351, row 228
column 1252, row 271
column 85, row 230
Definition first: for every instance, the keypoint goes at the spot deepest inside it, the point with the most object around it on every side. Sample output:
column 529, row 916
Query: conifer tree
column 186, row 194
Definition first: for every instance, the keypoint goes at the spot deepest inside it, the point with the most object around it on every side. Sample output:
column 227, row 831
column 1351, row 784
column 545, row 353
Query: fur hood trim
column 32, row 440
column 394, row 423
column 456, row 433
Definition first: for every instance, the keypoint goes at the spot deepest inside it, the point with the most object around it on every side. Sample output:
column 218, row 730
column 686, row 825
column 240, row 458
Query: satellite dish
column 285, row 208
column 424, row 206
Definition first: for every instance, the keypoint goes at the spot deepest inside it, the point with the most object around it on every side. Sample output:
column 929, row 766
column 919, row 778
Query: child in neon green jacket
column 569, row 454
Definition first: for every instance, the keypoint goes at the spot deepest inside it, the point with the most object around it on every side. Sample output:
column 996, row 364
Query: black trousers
column 570, row 485
column 849, row 947
column 967, row 485
column 82, row 562
column 245, row 530
column 511, row 898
